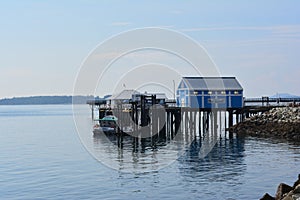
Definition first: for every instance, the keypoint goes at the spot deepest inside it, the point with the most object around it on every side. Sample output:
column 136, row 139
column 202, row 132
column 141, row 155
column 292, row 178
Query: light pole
column 174, row 89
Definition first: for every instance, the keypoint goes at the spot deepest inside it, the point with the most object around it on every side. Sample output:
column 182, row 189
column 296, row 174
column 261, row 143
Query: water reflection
column 144, row 154
column 224, row 162
column 139, row 154
column 134, row 154
column 138, row 145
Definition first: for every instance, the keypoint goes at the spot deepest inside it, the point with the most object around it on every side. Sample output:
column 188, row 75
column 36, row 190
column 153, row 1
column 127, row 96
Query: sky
column 44, row 43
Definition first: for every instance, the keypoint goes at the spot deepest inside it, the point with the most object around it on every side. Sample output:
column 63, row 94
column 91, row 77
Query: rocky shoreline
column 280, row 122
column 285, row 192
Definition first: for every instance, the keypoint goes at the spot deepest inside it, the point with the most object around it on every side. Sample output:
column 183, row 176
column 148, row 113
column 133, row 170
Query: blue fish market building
column 209, row 92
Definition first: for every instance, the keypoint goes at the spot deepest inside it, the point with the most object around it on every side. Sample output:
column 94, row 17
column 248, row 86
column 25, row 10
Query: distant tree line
column 43, row 100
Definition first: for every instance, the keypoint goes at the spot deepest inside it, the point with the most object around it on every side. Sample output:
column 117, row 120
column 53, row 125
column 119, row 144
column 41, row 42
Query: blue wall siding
column 210, row 101
column 196, row 102
column 236, row 101
column 223, row 101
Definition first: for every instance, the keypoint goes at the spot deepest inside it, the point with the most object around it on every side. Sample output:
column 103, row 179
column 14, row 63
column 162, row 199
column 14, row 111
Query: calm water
column 41, row 157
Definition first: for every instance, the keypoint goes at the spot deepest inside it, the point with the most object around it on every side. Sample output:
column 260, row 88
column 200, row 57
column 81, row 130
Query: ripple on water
column 42, row 158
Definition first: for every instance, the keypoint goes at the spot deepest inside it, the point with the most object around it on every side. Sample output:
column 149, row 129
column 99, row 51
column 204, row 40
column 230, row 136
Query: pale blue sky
column 43, row 43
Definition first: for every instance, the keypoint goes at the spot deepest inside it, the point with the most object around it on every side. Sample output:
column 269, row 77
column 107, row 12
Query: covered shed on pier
column 209, row 92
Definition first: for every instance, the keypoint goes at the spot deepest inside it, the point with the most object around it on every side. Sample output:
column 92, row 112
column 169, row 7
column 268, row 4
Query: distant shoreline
column 46, row 100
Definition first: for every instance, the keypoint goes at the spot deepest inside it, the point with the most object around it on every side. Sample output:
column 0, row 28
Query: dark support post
column 136, row 117
column 143, row 111
column 191, row 121
column 230, row 122
column 167, row 122
column 121, row 118
column 154, row 120
column 172, row 124
column 177, row 120
column 220, row 120
column 225, row 122
column 204, row 122
column 215, row 121
column 207, row 120
column 92, row 111
column 199, row 123
column 195, row 122
column 247, row 114
column 99, row 113
column 238, row 116
column 182, row 120
column 225, row 119
column 186, row 121
column 162, row 124
column 230, row 118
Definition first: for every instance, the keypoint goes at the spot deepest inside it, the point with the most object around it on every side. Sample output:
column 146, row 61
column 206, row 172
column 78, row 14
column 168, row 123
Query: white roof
column 125, row 94
column 160, row 96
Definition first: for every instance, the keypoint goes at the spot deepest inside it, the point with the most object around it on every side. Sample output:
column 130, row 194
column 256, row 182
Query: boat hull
column 100, row 130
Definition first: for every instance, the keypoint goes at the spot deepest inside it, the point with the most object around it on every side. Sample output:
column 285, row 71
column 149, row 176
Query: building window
column 182, row 102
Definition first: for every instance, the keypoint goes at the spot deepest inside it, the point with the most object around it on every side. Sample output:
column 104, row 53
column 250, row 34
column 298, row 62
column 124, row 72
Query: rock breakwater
column 285, row 192
column 283, row 122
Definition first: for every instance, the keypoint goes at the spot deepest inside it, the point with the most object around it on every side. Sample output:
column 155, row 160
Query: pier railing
column 267, row 99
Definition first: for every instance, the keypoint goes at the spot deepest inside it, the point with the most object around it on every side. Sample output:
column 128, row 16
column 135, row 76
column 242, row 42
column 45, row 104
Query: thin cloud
column 120, row 23
column 282, row 30
column 176, row 12
column 258, row 43
column 228, row 28
column 271, row 35
column 287, row 31
column 139, row 54
column 166, row 26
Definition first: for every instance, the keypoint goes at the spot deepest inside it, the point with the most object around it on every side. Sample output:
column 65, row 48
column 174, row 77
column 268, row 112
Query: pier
column 202, row 105
column 165, row 120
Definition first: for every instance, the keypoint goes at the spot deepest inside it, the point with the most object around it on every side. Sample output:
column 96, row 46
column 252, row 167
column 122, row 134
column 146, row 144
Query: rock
column 297, row 189
column 281, row 190
column 285, row 192
column 297, row 182
column 296, row 197
column 294, row 194
column 267, row 197
column 281, row 122
column 288, row 197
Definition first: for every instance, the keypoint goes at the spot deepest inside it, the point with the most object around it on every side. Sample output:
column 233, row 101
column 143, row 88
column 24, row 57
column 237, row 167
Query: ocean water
column 42, row 157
